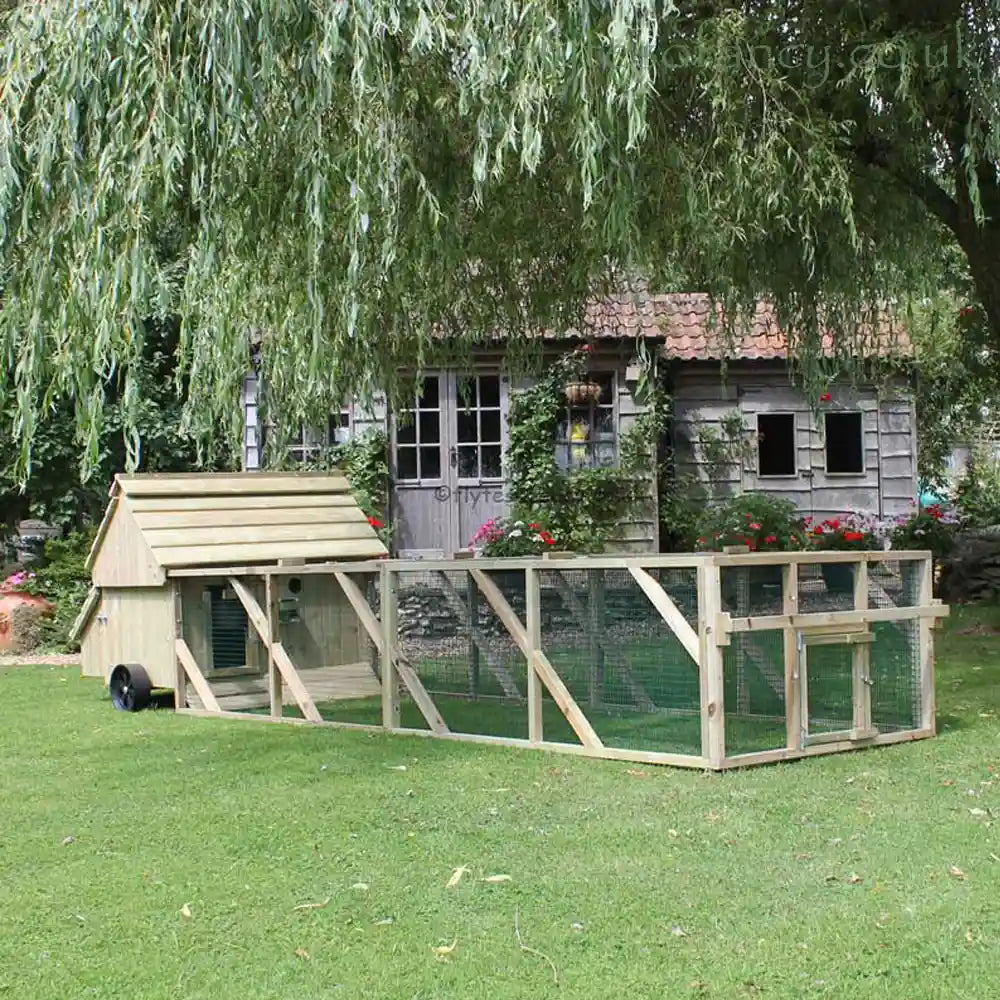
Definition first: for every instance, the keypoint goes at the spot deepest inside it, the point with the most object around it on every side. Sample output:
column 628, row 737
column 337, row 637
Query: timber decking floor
column 347, row 681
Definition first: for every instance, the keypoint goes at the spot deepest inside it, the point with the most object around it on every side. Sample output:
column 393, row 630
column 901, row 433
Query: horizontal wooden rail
column 818, row 558
column 821, row 619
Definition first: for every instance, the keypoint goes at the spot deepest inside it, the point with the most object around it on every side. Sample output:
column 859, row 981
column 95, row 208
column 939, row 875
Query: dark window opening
column 776, row 451
column 845, row 450
column 228, row 621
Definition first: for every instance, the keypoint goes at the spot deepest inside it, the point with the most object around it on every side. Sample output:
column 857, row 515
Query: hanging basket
column 582, row 393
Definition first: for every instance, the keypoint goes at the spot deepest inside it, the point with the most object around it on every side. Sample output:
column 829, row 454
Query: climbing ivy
column 581, row 507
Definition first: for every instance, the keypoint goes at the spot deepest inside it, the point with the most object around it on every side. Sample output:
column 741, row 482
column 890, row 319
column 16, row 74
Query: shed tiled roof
column 691, row 329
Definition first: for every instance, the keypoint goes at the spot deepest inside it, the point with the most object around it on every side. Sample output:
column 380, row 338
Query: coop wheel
column 130, row 687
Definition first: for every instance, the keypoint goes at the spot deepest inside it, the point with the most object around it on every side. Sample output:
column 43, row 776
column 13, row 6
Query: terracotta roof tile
column 690, row 328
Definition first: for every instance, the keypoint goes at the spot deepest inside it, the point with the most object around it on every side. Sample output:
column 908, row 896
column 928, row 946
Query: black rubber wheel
column 129, row 687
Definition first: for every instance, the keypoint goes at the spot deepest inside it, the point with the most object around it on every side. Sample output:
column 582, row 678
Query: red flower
column 832, row 524
column 966, row 312
column 853, row 536
column 375, row 522
column 770, row 539
column 535, row 527
column 755, row 526
column 825, row 398
column 587, row 347
column 549, row 541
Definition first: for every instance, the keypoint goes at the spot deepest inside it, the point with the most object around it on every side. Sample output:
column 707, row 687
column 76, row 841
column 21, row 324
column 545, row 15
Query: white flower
column 516, row 533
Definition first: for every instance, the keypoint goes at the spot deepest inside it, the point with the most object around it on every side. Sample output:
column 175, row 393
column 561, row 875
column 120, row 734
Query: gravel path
column 37, row 659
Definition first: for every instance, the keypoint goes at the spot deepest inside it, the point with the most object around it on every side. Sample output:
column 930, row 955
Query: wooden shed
column 181, row 598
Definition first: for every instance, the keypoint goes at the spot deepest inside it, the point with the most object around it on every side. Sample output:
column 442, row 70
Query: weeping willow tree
column 351, row 182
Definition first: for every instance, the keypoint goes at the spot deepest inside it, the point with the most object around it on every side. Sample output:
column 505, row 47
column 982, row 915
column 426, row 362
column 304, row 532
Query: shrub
column 977, row 494
column 763, row 523
column 62, row 579
column 932, row 528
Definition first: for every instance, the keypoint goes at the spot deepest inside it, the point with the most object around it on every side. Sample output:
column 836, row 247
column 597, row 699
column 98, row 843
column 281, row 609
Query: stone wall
column 972, row 570
column 426, row 612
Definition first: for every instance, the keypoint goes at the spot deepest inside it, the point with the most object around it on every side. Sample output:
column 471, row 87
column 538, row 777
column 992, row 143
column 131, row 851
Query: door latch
column 453, row 456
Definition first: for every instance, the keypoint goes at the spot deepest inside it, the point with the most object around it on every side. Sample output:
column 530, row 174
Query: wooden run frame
column 705, row 645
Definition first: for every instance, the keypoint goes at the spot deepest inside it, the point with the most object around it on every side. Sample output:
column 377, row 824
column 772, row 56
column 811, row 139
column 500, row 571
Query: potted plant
column 582, row 392
column 753, row 522
column 511, row 538
column 847, row 533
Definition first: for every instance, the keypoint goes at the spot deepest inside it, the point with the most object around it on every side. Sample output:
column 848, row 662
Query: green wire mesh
column 624, row 666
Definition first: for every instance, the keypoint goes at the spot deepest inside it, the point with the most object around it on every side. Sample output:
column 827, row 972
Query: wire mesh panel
column 620, row 660
column 829, row 684
column 754, row 692
column 460, row 649
column 895, row 676
column 895, row 583
column 827, row 586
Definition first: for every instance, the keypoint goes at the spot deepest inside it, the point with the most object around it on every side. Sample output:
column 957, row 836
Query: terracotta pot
column 581, row 393
column 838, row 577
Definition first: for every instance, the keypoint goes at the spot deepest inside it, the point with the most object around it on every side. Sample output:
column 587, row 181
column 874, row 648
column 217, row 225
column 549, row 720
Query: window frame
column 416, row 446
column 770, row 476
column 590, row 445
column 826, row 443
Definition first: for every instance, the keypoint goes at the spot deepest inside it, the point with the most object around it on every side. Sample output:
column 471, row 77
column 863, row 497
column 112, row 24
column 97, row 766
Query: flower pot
column 838, row 577
column 582, row 393
column 746, row 586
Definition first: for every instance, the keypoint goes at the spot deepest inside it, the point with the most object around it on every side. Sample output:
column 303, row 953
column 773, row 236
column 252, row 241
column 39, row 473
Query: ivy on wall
column 581, row 507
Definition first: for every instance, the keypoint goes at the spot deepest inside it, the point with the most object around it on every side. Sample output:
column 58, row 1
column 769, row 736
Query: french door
column 447, row 455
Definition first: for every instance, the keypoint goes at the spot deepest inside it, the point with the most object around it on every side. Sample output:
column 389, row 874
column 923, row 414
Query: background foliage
column 352, row 179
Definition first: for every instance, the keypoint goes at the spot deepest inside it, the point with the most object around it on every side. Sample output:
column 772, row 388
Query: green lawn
column 875, row 874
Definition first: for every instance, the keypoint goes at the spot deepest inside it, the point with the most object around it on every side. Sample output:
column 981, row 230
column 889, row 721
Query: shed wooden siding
column 888, row 484
column 640, row 534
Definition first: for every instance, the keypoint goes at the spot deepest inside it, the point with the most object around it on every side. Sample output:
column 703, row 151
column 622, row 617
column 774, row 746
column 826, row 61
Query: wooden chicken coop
column 173, row 608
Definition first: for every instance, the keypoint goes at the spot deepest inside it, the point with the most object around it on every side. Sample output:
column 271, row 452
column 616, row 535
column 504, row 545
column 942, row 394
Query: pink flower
column 587, row 347
column 754, row 526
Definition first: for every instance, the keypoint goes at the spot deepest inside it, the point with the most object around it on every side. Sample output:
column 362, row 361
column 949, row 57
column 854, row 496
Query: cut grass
column 829, row 878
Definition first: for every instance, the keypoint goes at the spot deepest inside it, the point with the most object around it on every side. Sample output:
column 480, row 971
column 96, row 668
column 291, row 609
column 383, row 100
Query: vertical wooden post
column 390, row 677
column 274, row 685
column 472, row 610
column 793, row 689
column 371, row 591
column 180, row 677
column 928, row 702
column 861, row 654
column 533, row 615
column 710, row 666
column 595, row 631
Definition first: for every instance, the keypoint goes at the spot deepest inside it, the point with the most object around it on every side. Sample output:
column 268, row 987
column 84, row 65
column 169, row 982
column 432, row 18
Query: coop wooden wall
column 131, row 626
